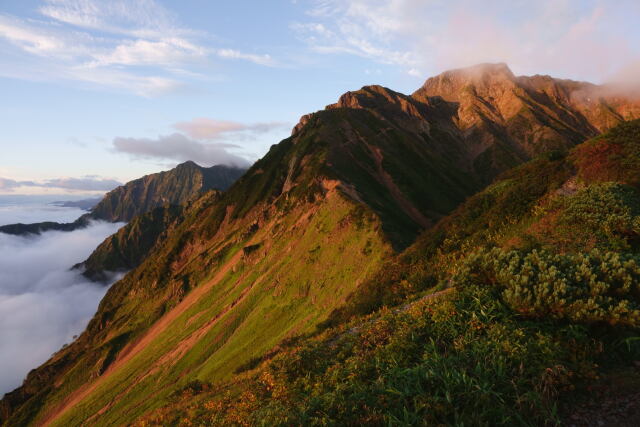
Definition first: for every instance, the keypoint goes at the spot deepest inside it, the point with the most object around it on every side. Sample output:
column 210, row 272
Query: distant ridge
column 173, row 187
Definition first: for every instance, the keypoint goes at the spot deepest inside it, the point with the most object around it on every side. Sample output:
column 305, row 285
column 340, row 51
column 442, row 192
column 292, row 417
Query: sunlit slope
column 510, row 311
column 268, row 261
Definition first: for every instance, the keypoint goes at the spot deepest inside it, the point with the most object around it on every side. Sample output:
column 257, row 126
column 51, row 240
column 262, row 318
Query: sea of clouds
column 28, row 209
column 43, row 303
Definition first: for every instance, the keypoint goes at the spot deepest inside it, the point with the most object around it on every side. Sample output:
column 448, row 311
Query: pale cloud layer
column 135, row 46
column 206, row 128
column 204, row 140
column 86, row 184
column 42, row 303
column 592, row 40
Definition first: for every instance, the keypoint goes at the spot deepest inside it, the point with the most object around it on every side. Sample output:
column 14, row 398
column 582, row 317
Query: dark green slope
column 563, row 201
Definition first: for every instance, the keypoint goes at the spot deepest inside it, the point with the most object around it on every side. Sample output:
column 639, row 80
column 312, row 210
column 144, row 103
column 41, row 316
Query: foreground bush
column 585, row 287
column 507, row 345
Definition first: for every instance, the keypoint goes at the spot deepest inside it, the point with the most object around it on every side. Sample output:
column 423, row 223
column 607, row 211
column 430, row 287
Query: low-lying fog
column 43, row 304
column 28, row 209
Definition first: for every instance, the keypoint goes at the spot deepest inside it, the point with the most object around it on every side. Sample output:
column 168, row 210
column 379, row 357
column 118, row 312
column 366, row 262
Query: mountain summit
column 504, row 117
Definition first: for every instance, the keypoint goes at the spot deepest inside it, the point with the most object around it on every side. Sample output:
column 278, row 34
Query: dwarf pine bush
column 586, row 287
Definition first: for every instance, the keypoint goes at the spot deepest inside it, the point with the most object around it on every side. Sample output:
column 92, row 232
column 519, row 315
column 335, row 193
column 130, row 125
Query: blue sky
column 99, row 92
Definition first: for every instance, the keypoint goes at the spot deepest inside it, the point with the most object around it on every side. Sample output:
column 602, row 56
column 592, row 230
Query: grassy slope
column 264, row 300
column 550, row 310
column 286, row 245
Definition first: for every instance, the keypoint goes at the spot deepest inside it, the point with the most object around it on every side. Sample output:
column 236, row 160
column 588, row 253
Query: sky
column 96, row 93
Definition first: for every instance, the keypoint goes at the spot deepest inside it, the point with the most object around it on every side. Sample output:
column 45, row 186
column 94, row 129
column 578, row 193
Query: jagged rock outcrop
column 496, row 120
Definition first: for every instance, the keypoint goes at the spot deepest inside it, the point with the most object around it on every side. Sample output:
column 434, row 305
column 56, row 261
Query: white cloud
column 569, row 38
column 167, row 52
column 211, row 129
column 414, row 72
column 139, row 18
column 31, row 209
column 134, row 45
column 43, row 304
column 358, row 27
column 83, row 184
column 179, row 148
column 265, row 60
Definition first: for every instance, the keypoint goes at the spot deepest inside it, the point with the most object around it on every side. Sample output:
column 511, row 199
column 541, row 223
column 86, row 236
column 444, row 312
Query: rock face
column 505, row 119
column 224, row 280
column 495, row 120
column 175, row 187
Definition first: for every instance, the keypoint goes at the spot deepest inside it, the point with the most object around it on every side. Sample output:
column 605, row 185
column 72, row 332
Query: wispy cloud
column 90, row 183
column 266, row 60
column 135, row 45
column 570, row 38
column 139, row 18
column 166, row 52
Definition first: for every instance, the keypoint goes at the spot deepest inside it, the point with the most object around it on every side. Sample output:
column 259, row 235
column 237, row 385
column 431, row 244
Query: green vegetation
column 465, row 359
column 541, row 273
column 127, row 248
column 586, row 288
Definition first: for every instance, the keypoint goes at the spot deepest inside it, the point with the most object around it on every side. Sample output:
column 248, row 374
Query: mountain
column 174, row 187
column 506, row 120
column 332, row 223
column 522, row 307
column 84, row 204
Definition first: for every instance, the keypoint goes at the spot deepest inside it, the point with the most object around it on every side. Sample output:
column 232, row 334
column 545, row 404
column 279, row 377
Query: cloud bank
column 179, row 148
column 43, row 304
column 30, row 209
column 90, row 183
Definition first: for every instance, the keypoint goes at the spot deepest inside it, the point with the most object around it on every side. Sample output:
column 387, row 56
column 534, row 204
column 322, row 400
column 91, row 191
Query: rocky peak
column 189, row 164
column 483, row 79
column 379, row 100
